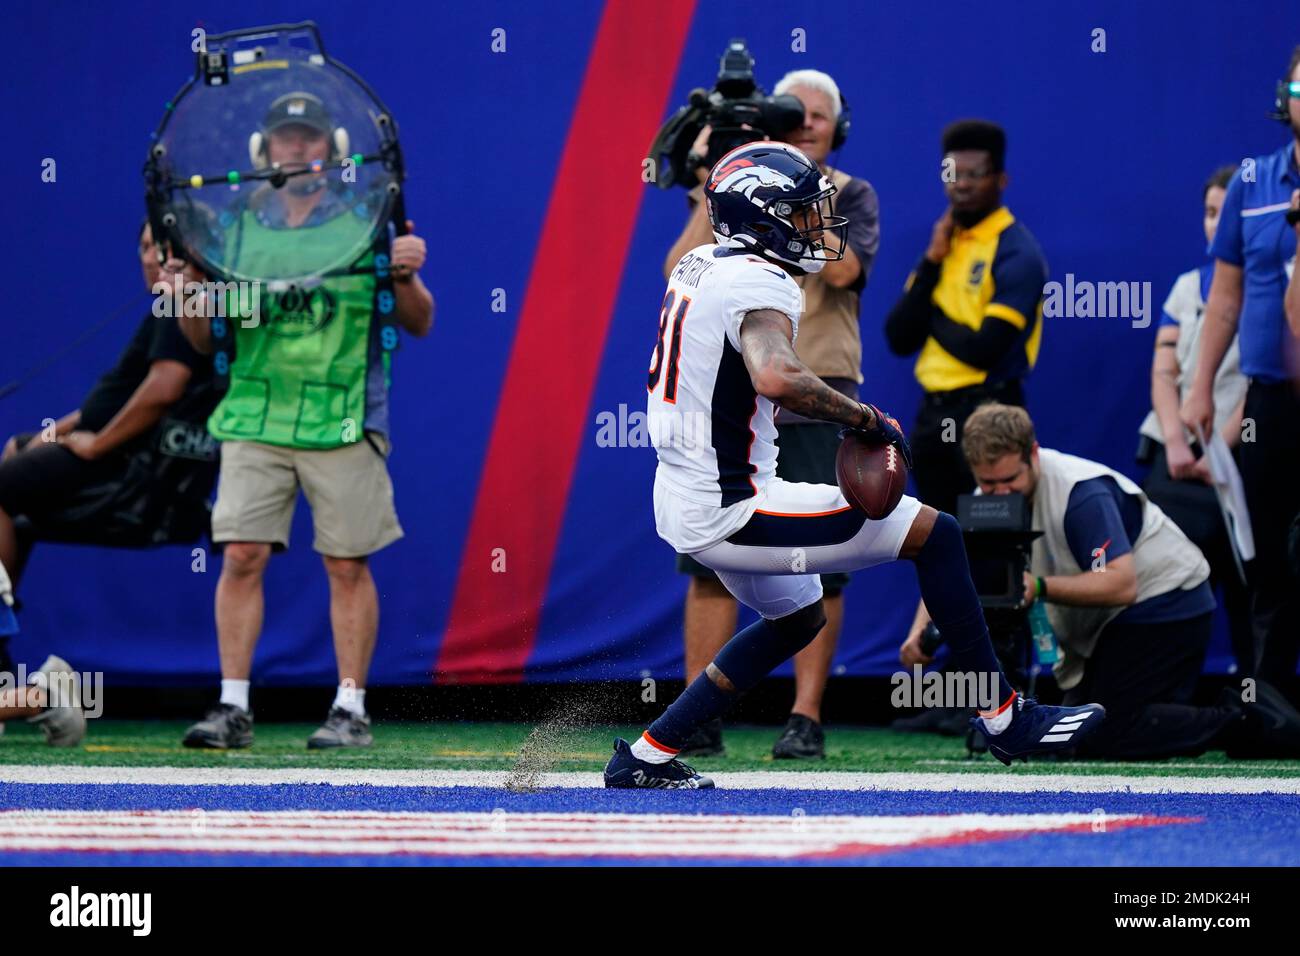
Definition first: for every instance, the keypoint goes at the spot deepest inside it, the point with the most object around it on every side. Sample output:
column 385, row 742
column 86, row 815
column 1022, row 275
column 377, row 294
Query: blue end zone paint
column 1237, row 830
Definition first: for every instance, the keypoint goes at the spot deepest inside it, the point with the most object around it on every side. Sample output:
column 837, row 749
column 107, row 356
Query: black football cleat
column 944, row 721
column 1268, row 727
column 626, row 772
column 1039, row 729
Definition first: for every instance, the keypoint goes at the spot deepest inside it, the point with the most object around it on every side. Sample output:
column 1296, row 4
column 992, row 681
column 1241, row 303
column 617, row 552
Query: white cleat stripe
column 1047, row 738
column 1078, row 717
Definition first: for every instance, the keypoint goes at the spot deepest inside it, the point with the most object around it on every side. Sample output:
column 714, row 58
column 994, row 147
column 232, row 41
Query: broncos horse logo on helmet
column 768, row 198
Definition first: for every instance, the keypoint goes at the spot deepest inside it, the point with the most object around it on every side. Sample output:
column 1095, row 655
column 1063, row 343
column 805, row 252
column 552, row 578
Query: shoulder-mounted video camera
column 738, row 111
column 998, row 538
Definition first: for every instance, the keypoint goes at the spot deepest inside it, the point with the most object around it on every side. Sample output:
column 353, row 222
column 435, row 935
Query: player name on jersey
column 690, row 269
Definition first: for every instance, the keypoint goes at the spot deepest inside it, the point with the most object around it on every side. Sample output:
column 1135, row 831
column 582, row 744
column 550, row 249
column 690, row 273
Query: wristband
column 1040, row 587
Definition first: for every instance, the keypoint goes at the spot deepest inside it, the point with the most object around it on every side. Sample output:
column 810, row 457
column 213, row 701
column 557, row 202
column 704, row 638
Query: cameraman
column 305, row 411
column 1128, row 598
column 830, row 344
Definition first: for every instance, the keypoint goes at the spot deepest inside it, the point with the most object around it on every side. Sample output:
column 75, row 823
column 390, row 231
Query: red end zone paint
column 567, row 307
column 967, row 837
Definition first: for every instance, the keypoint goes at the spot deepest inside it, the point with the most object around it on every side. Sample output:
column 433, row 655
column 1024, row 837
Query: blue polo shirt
column 1100, row 516
column 1253, row 234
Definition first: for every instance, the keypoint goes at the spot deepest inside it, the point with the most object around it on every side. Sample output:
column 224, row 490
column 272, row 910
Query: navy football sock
column 745, row 660
column 702, row 701
column 757, row 650
column 949, row 594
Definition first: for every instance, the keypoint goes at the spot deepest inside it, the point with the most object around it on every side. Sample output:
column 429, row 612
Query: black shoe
column 705, row 742
column 946, row 721
column 1270, row 728
column 226, row 727
column 802, row 739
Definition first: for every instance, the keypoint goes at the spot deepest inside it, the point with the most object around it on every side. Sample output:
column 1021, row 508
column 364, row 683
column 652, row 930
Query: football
column 872, row 475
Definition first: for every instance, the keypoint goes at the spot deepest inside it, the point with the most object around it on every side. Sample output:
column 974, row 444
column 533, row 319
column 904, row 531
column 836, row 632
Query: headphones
column 340, row 142
column 842, row 124
column 1281, row 102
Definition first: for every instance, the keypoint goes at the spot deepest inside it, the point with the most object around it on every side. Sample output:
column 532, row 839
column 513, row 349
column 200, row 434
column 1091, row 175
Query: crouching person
column 51, row 698
column 1128, row 596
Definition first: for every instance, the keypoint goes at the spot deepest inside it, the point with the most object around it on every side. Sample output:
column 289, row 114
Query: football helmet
column 773, row 200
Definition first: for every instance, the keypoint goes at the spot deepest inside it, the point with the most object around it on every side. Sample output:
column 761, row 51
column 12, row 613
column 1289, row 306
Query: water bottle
column 1046, row 651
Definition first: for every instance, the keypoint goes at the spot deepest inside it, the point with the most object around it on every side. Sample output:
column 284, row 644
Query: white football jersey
column 715, row 436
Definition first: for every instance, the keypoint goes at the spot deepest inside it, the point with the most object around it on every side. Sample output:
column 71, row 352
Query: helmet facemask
column 823, row 235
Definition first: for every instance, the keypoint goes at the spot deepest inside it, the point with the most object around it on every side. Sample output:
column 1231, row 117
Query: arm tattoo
column 765, row 339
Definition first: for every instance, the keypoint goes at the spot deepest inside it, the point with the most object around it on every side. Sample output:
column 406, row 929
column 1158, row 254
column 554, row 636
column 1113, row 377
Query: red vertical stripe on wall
column 543, row 417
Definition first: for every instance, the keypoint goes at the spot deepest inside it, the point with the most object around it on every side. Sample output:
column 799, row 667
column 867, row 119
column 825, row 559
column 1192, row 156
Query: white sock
column 999, row 721
column 235, row 692
column 351, row 699
column 644, row 750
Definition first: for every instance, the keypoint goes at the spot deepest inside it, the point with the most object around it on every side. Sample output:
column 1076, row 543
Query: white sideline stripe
column 994, row 781
column 547, row 834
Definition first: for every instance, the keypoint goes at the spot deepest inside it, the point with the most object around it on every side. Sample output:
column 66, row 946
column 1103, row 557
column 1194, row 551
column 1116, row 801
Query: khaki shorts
column 348, row 489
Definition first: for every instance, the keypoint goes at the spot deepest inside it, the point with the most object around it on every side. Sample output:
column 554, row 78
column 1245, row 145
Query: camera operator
column 830, row 344
column 1128, row 598
column 306, row 409
column 972, row 308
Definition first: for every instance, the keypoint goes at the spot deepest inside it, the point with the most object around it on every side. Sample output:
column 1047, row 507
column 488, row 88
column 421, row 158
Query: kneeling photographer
column 1127, row 595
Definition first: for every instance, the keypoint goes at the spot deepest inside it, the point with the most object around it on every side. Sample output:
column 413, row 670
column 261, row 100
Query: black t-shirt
column 155, row 339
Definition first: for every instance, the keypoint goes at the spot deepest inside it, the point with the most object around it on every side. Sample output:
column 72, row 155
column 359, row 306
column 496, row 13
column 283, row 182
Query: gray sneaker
column 226, row 727
column 62, row 721
column 342, row 728
column 802, row 739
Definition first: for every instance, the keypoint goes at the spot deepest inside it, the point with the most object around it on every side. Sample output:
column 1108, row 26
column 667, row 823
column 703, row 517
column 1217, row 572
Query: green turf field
column 498, row 746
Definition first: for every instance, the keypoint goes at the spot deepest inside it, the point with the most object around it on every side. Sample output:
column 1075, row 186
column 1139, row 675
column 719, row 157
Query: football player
column 723, row 362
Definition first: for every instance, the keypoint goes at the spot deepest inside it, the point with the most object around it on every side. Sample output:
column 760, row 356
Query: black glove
column 886, row 430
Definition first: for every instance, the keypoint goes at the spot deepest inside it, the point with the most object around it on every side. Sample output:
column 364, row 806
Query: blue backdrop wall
column 1108, row 151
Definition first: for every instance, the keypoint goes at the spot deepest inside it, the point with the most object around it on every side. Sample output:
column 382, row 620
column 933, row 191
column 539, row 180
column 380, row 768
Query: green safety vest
column 298, row 377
